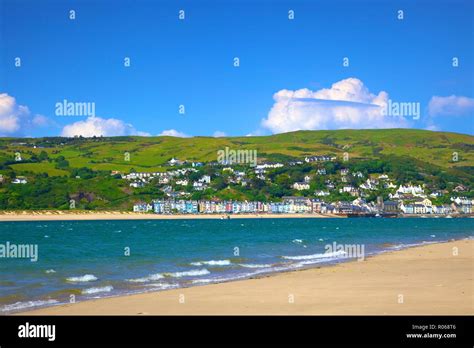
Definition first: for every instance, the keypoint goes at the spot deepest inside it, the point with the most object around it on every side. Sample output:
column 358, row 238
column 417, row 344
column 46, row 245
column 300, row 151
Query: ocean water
column 90, row 259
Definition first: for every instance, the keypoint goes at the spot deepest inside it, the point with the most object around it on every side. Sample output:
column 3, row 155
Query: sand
column 422, row 280
column 114, row 215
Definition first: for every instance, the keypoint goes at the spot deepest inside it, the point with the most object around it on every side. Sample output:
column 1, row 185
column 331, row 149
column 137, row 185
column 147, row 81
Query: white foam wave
column 315, row 256
column 254, row 265
column 50, row 271
column 163, row 286
column 198, row 272
column 23, row 305
column 205, row 281
column 84, row 278
column 151, row 277
column 96, row 290
column 212, row 263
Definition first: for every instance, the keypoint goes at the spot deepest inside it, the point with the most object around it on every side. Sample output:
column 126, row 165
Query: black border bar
column 292, row 331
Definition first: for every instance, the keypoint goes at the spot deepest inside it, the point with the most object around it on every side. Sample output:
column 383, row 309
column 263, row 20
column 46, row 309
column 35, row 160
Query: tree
column 43, row 156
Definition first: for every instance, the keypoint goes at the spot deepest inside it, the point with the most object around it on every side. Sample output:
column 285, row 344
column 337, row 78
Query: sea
column 81, row 260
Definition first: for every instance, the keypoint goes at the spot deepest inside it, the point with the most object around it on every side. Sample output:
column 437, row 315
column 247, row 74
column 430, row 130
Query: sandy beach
column 116, row 215
column 430, row 279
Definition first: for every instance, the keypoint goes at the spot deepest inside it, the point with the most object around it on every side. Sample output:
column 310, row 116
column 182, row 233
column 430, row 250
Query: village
column 344, row 193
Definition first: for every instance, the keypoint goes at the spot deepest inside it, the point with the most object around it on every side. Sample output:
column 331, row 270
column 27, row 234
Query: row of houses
column 299, row 205
column 289, row 205
column 424, row 206
column 146, row 176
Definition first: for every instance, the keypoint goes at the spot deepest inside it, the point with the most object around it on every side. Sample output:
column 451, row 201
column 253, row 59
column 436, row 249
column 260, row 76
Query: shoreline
column 59, row 215
column 430, row 279
column 114, row 215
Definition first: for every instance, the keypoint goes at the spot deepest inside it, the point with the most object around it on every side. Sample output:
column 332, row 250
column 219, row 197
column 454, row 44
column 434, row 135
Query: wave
column 198, row 272
column 151, row 277
column 315, row 256
column 410, row 245
column 163, row 286
column 212, row 263
column 297, row 241
column 50, row 271
column 96, row 290
column 84, row 278
column 205, row 281
column 28, row 304
column 254, row 265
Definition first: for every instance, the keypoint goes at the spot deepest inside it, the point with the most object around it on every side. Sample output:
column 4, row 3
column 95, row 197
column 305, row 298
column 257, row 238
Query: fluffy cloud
column 451, row 106
column 96, row 126
column 17, row 120
column 173, row 133
column 347, row 104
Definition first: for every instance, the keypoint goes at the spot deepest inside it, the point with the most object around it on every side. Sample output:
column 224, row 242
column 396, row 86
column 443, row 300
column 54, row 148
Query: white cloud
column 96, row 126
column 219, row 134
column 450, row 106
column 17, row 120
column 173, row 133
column 347, row 104
column 432, row 127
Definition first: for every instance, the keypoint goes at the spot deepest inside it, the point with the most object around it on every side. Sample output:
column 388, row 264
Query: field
column 149, row 154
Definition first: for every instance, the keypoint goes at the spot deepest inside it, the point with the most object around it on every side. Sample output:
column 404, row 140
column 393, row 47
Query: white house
column 322, row 193
column 409, row 189
column 206, row 179
column 349, row 189
column 174, row 162
column 163, row 180
column 368, row 185
column 301, row 186
column 199, row 186
column 137, row 184
column 19, row 180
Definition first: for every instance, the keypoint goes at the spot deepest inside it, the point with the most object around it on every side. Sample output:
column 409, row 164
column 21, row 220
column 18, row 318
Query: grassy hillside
column 151, row 153
column 63, row 169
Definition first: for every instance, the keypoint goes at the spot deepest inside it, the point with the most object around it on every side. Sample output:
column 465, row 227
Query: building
column 142, row 207
column 321, row 193
column 137, row 184
column 407, row 209
column 323, row 158
column 19, row 180
column 300, row 186
column 206, row 179
column 390, row 207
column 351, row 190
column 199, row 186
column 175, row 162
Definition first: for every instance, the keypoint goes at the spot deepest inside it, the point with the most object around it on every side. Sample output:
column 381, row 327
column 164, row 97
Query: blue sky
column 189, row 62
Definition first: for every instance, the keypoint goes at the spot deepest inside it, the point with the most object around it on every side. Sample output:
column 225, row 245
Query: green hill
column 151, row 153
column 59, row 169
